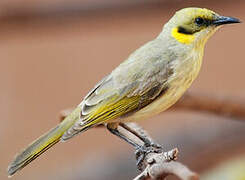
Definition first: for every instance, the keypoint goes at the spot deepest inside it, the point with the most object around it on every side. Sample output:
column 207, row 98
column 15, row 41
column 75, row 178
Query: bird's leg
column 141, row 150
column 142, row 136
column 113, row 128
column 149, row 145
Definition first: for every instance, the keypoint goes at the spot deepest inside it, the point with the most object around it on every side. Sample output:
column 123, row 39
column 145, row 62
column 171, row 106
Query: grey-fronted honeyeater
column 148, row 82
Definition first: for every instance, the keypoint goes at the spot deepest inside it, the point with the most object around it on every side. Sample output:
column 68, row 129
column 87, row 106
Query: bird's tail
column 43, row 143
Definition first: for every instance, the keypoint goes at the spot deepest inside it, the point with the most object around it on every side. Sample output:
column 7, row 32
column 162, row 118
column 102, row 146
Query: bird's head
column 196, row 25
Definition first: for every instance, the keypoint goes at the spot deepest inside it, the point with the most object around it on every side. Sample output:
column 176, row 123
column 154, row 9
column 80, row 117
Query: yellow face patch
column 182, row 38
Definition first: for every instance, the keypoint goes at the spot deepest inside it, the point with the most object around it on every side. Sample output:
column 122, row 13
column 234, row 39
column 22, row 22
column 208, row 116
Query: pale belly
column 178, row 84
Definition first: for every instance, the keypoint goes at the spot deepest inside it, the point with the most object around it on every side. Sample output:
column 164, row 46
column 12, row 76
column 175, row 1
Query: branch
column 220, row 105
column 160, row 165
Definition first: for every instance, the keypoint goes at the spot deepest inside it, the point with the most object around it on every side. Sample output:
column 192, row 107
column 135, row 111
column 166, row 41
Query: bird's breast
column 185, row 73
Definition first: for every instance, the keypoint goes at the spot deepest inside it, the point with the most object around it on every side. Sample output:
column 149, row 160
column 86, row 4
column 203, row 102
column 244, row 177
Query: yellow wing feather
column 109, row 111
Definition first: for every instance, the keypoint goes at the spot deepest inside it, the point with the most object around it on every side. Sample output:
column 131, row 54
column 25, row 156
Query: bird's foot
column 142, row 151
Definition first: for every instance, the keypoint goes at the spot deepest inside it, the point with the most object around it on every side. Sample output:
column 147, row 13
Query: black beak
column 220, row 20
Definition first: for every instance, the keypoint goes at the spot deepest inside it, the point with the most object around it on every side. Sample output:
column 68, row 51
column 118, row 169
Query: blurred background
column 53, row 52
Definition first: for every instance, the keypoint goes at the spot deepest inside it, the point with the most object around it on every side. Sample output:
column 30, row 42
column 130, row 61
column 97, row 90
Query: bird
column 148, row 82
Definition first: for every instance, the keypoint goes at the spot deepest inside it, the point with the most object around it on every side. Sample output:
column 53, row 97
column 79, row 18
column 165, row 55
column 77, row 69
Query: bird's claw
column 142, row 151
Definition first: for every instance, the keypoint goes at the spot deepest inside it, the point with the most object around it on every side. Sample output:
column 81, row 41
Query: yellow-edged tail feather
column 43, row 143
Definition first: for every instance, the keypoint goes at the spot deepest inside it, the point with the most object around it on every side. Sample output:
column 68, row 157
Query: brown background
column 52, row 54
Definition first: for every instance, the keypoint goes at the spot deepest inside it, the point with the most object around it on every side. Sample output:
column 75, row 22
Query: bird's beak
column 220, row 20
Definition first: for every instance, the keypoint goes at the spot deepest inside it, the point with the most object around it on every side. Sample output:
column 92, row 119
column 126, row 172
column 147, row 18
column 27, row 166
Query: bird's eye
column 199, row 21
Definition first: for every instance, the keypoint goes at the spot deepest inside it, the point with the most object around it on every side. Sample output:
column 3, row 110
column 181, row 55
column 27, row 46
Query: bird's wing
column 121, row 93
